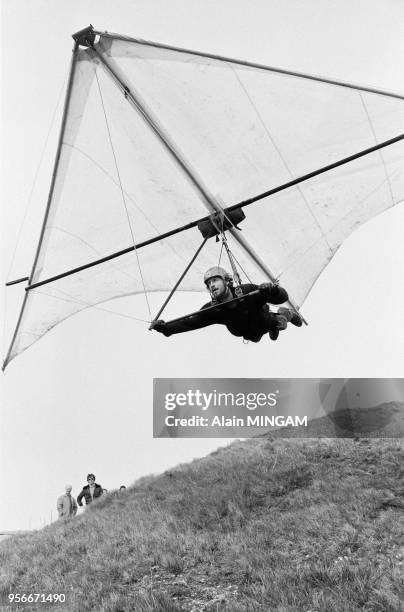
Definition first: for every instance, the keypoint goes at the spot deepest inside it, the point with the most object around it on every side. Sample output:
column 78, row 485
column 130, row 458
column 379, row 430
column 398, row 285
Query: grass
column 265, row 524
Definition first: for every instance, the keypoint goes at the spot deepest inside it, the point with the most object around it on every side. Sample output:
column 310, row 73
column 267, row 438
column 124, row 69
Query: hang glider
column 161, row 146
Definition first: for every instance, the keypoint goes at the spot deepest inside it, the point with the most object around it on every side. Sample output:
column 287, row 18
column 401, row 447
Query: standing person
column 90, row 491
column 66, row 504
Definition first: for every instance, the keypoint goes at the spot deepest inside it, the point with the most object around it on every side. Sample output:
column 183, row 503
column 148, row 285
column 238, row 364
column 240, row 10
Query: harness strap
column 238, row 290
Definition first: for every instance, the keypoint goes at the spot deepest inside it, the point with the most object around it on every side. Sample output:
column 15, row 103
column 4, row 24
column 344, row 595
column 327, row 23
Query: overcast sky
column 80, row 399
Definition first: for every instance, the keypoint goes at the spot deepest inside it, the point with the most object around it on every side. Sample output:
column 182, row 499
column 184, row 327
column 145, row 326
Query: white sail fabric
column 240, row 130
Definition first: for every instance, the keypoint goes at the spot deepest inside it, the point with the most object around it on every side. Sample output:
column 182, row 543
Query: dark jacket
column 85, row 492
column 250, row 319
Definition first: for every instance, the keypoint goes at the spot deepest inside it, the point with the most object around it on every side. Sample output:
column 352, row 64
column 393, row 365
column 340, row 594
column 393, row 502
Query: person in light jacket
column 66, row 504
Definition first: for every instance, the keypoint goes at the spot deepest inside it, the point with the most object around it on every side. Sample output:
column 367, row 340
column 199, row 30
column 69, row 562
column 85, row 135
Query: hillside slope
column 264, row 524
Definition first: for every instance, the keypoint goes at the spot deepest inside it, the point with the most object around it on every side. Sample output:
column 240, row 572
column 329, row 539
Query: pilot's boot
column 291, row 316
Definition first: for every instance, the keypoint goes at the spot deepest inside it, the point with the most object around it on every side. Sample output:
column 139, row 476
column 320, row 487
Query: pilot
column 250, row 319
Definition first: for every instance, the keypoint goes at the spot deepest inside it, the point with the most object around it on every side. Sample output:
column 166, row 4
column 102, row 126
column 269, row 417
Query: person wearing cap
column 250, row 319
column 90, row 491
column 66, row 504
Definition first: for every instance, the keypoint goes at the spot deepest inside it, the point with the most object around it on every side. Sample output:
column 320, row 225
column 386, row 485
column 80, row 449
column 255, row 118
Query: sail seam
column 272, row 140
column 376, row 141
column 127, row 196
column 90, row 246
column 299, row 255
column 74, row 300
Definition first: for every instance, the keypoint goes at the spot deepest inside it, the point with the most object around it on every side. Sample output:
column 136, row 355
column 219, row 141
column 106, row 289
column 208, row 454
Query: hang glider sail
column 159, row 143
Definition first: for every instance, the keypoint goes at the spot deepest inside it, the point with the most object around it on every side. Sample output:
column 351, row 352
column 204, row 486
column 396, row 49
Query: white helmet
column 216, row 271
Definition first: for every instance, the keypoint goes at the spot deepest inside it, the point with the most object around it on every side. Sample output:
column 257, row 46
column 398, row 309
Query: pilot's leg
column 273, row 322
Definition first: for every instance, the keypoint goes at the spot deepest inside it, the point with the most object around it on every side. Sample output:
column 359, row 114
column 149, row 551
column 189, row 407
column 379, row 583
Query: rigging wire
column 220, row 254
column 241, row 267
column 29, row 200
column 236, row 276
column 28, row 205
column 131, row 199
column 237, row 262
column 123, row 194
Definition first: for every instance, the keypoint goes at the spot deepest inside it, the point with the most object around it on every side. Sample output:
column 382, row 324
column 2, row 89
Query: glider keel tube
column 139, row 105
column 204, row 314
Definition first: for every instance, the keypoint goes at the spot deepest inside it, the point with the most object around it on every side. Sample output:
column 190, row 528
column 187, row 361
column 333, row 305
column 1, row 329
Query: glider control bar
column 204, row 313
column 192, row 224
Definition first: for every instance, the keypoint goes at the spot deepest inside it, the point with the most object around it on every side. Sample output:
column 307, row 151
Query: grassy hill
column 264, row 524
